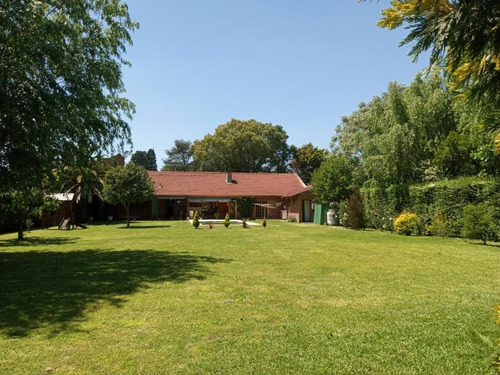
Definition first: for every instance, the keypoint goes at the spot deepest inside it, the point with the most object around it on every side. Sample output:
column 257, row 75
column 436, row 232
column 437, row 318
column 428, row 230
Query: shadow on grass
column 37, row 241
column 53, row 290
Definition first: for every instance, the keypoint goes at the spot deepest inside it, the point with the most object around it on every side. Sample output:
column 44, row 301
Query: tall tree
column 127, row 185
column 465, row 34
column 393, row 138
column 332, row 181
column 146, row 159
column 60, row 85
column 243, row 146
column 179, row 157
column 152, row 160
column 84, row 182
column 306, row 159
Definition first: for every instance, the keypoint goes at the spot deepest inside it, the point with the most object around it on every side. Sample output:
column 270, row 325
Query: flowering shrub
column 406, row 223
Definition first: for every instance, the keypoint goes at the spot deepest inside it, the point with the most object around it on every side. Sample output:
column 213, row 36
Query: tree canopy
column 179, row 157
column 306, row 159
column 146, row 159
column 414, row 134
column 332, row 181
column 127, row 185
column 60, row 84
column 243, row 146
column 465, row 34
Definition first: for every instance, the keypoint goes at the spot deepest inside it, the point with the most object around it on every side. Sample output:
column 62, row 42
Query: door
column 306, row 210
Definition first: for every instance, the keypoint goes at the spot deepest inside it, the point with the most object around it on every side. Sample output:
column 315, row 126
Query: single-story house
column 213, row 194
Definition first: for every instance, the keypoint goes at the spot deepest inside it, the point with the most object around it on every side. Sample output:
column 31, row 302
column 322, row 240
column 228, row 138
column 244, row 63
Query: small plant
column 29, row 224
column 196, row 220
column 227, row 221
column 477, row 223
column 264, row 222
column 292, row 219
column 406, row 223
column 355, row 210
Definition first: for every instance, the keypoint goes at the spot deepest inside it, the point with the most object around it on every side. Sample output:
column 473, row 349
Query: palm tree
column 84, row 182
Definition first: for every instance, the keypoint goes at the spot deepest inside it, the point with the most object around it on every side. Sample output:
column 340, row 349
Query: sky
column 301, row 64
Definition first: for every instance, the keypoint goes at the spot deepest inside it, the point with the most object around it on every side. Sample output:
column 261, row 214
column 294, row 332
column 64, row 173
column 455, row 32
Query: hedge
column 438, row 204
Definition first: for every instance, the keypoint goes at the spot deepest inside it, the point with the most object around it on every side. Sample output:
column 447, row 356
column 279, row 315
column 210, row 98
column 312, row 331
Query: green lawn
column 164, row 298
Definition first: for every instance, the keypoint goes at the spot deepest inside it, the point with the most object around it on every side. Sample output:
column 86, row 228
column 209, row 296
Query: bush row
column 439, row 206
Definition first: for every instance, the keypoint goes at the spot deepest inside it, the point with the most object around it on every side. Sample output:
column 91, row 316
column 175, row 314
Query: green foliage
column 355, row 210
column 477, row 223
column 227, row 221
column 463, row 35
column 127, row 185
column 145, row 159
column 196, row 220
column 306, row 160
column 393, row 138
column 179, row 157
column 332, row 180
column 439, row 205
column 243, row 146
column 440, row 225
column 25, row 205
column 245, row 207
column 60, row 85
column 407, row 223
column 292, row 219
column 380, row 208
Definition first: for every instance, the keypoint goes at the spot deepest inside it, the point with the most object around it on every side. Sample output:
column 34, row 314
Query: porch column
column 154, row 208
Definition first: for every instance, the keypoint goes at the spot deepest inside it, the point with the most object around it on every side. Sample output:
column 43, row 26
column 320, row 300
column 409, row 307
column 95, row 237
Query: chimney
column 229, row 177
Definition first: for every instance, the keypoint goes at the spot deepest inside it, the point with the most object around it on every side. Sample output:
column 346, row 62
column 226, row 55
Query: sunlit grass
column 164, row 298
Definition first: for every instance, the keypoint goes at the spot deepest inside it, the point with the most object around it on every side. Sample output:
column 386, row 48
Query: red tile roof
column 213, row 184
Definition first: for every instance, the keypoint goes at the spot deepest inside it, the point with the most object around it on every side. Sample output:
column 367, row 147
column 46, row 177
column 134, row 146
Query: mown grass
column 163, row 298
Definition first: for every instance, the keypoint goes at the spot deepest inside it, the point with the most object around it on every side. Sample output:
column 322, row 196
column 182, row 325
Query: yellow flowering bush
column 406, row 223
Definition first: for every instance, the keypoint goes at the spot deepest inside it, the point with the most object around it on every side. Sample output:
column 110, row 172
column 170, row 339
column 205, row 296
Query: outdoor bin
column 320, row 211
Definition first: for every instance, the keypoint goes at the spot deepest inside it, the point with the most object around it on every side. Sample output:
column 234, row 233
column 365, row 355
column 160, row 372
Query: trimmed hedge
column 439, row 205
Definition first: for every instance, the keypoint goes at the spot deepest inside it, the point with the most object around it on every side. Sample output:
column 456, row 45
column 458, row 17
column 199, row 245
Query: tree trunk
column 128, row 215
column 20, row 231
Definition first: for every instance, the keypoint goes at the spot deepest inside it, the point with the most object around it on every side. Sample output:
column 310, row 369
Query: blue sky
column 302, row 64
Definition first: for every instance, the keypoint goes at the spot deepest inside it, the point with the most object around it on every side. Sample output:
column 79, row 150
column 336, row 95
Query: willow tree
column 60, row 85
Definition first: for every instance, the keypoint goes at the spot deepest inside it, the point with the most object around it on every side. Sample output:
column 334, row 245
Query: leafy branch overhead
column 465, row 34
column 61, row 88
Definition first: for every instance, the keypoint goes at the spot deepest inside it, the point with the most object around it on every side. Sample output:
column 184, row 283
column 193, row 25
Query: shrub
column 227, row 221
column 355, row 210
column 292, row 219
column 407, row 223
column 245, row 206
column 477, row 223
column 440, row 224
column 196, row 220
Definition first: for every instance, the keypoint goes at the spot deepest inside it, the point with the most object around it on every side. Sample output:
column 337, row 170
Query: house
column 213, row 195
